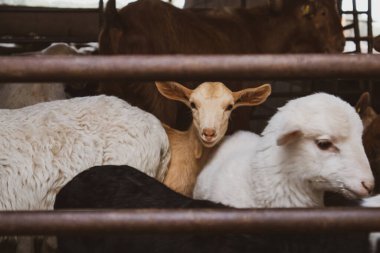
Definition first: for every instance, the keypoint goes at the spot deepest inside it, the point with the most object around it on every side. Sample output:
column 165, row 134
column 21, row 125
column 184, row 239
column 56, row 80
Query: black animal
column 125, row 187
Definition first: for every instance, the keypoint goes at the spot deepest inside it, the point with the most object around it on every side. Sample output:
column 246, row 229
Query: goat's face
column 211, row 104
column 371, row 136
column 325, row 144
column 320, row 24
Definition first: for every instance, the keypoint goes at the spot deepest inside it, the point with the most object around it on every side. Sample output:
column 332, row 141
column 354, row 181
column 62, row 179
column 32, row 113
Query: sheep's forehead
column 323, row 114
column 212, row 91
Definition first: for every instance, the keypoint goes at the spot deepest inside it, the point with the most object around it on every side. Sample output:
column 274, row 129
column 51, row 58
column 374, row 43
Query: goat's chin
column 209, row 144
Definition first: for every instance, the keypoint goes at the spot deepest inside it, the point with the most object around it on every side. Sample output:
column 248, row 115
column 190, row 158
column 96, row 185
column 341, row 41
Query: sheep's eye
column 324, row 144
column 229, row 107
column 193, row 106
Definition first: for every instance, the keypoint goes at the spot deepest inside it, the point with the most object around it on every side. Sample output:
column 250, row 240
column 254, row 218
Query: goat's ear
column 363, row 103
column 364, row 109
column 111, row 16
column 174, row 91
column 252, row 96
column 112, row 30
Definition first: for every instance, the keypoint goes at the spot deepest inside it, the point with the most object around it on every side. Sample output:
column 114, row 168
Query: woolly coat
column 284, row 166
column 45, row 145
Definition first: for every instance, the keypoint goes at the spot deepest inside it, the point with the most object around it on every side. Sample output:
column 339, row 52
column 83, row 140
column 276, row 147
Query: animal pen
column 346, row 75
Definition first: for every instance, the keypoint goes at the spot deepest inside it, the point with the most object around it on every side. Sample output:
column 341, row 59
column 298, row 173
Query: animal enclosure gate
column 359, row 71
column 230, row 67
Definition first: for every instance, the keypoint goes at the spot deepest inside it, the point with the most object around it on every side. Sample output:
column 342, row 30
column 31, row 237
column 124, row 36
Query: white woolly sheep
column 45, row 145
column 374, row 238
column 17, row 95
column 311, row 145
column 211, row 104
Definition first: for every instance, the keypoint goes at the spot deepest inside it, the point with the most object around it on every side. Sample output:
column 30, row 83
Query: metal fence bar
column 200, row 220
column 180, row 67
column 369, row 27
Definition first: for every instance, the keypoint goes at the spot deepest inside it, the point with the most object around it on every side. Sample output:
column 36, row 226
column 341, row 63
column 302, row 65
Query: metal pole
column 356, row 27
column 226, row 67
column 200, row 220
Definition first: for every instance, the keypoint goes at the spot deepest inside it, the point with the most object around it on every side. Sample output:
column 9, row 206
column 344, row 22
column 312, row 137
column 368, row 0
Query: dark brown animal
column 376, row 43
column 371, row 142
column 371, row 135
column 155, row 27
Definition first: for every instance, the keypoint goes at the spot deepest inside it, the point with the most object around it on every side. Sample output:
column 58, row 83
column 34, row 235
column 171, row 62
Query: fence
column 189, row 68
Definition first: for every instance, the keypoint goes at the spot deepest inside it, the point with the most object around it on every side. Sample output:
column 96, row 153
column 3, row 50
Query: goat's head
column 320, row 25
column 371, row 135
column 321, row 139
column 211, row 104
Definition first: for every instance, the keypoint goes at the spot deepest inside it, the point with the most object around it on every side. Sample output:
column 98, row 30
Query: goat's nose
column 368, row 186
column 209, row 132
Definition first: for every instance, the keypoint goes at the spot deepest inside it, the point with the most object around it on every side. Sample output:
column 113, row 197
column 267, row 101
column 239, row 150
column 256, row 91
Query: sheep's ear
column 289, row 137
column 252, row 96
column 174, row 91
column 364, row 109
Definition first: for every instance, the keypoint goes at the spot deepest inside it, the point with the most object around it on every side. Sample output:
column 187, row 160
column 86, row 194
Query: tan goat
column 211, row 104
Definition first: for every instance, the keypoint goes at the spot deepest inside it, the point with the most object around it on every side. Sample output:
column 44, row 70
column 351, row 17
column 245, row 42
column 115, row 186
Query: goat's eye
column 193, row 106
column 229, row 107
column 324, row 144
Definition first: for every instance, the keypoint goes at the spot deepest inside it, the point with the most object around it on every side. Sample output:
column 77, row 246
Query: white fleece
column 45, row 145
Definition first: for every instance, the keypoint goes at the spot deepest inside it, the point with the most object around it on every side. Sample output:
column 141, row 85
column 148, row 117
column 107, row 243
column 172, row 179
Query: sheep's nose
column 368, row 186
column 209, row 132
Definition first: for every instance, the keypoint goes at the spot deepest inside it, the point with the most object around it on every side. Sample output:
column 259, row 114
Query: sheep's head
column 371, row 136
column 211, row 104
column 321, row 139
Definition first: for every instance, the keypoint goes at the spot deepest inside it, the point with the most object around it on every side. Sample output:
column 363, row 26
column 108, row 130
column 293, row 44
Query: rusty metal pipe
column 227, row 67
column 174, row 221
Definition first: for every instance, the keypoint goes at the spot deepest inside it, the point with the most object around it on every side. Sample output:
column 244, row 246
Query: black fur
column 125, row 187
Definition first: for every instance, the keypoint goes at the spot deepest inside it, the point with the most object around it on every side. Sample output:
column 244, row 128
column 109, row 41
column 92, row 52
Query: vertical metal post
column 369, row 27
column 356, row 27
column 101, row 10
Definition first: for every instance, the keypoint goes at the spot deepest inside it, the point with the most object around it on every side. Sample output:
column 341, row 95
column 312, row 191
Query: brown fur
column 376, row 43
column 189, row 152
column 154, row 27
column 371, row 140
column 188, row 160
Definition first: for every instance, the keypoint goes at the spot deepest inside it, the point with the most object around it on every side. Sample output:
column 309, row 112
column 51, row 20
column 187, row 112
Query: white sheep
column 17, row 95
column 311, row 145
column 211, row 104
column 374, row 238
column 45, row 145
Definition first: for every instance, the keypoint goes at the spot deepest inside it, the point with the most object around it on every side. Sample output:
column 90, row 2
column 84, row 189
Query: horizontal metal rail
column 180, row 67
column 200, row 220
